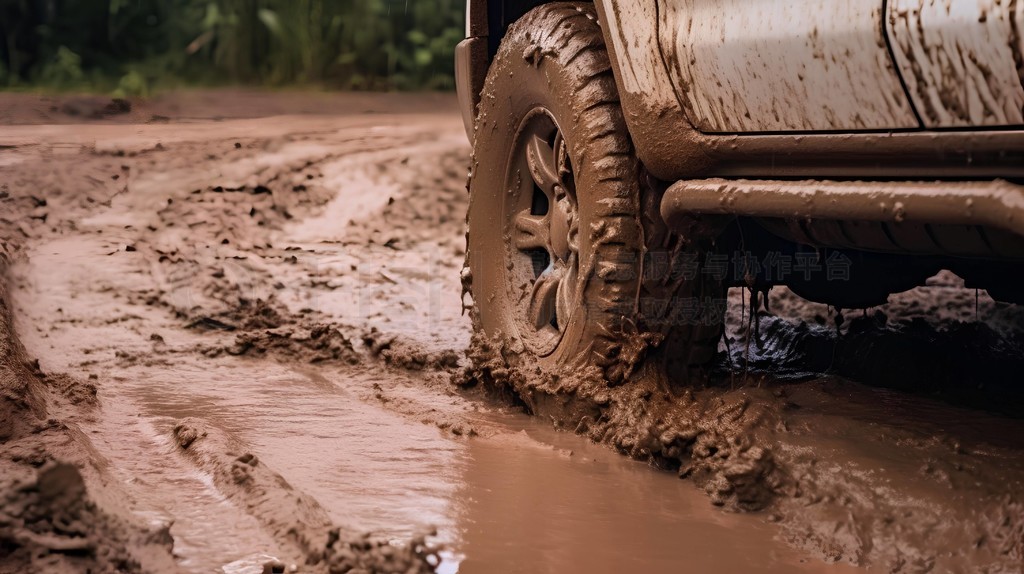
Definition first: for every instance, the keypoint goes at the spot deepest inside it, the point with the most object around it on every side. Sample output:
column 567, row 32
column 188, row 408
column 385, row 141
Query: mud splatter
column 717, row 439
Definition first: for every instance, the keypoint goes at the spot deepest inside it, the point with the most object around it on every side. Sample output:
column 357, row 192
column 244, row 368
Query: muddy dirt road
column 233, row 339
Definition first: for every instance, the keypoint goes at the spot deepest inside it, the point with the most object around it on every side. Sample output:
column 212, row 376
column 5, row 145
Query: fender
column 486, row 24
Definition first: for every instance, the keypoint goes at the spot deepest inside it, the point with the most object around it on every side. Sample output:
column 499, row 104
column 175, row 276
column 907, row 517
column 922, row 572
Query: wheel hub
column 544, row 259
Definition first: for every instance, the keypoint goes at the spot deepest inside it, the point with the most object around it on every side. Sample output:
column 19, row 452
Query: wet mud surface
column 233, row 340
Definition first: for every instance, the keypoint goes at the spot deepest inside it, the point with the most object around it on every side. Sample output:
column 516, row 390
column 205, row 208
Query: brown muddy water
column 293, row 283
column 521, row 497
column 527, row 499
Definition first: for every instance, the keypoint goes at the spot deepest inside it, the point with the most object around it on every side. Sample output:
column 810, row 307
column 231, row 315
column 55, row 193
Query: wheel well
column 501, row 14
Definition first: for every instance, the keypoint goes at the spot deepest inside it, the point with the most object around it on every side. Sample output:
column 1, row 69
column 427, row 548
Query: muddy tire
column 569, row 263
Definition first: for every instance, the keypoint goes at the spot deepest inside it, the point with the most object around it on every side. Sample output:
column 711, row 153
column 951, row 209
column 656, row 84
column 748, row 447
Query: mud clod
column 367, row 554
column 187, row 434
column 50, row 523
column 406, row 354
column 320, row 343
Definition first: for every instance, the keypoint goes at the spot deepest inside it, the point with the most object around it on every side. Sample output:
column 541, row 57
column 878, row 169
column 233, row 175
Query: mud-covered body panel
column 778, row 65
column 757, row 91
column 962, row 61
column 852, row 65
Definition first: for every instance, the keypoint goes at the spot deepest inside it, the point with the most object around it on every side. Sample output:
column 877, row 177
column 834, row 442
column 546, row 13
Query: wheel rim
column 542, row 222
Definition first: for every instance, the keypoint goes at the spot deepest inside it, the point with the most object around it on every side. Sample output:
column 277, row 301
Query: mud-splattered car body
column 888, row 131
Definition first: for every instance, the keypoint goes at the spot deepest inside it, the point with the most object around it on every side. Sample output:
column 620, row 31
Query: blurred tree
column 134, row 45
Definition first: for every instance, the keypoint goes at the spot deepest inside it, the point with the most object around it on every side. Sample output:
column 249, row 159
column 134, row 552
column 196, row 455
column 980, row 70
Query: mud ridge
column 58, row 509
column 315, row 344
column 292, row 516
column 408, row 354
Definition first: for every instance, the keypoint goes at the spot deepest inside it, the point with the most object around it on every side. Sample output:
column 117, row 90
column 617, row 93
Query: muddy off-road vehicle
column 633, row 159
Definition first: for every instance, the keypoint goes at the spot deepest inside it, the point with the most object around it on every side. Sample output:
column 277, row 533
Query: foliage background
column 131, row 47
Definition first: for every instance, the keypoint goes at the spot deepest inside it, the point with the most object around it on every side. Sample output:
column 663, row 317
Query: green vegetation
column 131, row 47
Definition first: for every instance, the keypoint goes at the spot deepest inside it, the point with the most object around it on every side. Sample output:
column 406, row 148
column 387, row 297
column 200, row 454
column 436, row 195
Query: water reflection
column 538, row 500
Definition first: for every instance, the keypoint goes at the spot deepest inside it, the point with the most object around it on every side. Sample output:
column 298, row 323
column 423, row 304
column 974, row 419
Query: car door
column 961, row 60
column 783, row 65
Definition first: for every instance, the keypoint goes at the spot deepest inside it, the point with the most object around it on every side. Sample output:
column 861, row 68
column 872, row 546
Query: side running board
column 994, row 204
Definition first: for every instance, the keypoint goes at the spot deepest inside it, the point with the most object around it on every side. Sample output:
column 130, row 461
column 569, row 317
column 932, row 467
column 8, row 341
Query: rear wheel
column 569, row 261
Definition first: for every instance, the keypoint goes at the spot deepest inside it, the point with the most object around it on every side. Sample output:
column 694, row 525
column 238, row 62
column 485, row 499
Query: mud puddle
column 210, row 533
column 519, row 494
column 525, row 497
column 326, row 433
column 534, row 499
column 370, row 469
